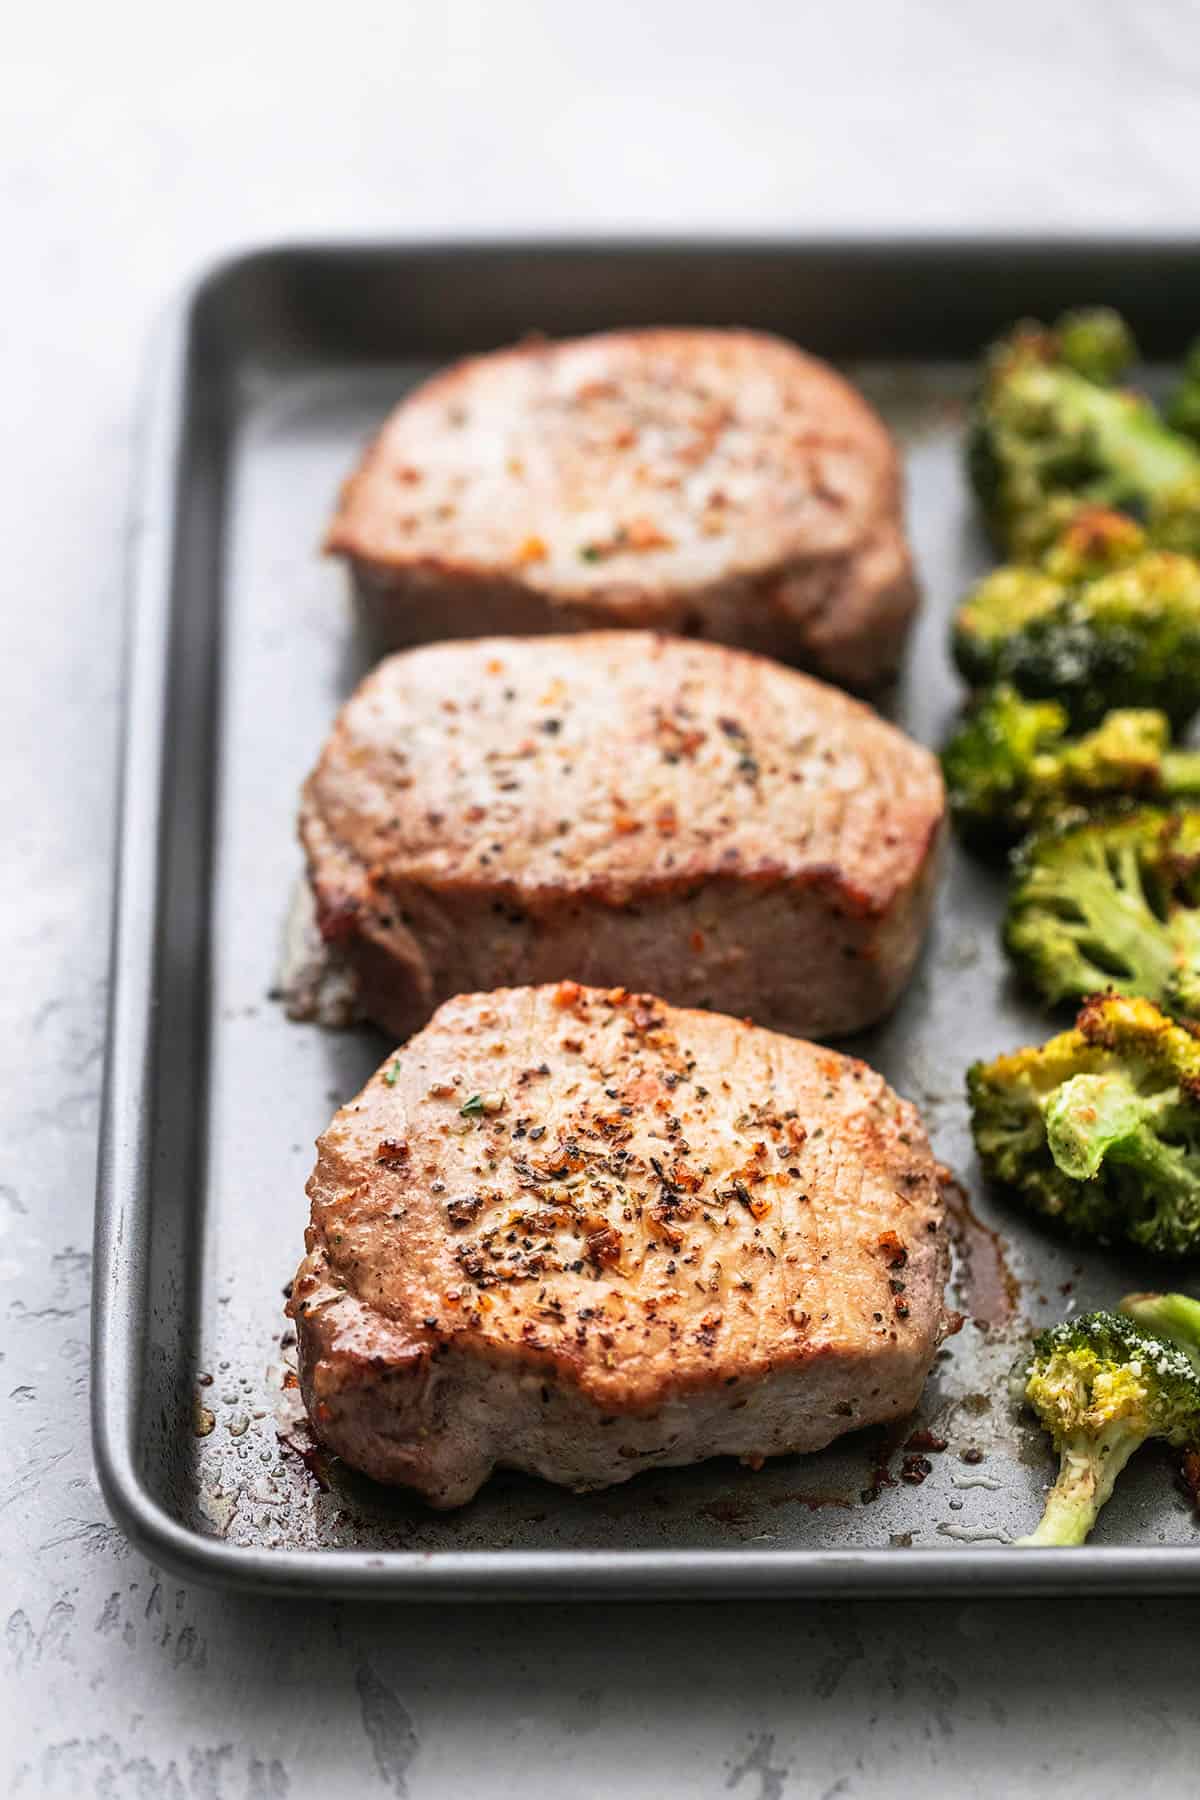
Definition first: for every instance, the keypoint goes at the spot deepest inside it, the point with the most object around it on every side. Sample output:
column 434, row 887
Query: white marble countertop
column 136, row 143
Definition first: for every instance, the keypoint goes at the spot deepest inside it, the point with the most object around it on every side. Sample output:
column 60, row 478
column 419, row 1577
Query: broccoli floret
column 1050, row 430
column 1110, row 902
column 1182, row 411
column 1095, row 342
column 1098, row 1130
column 998, row 612
column 1102, row 1385
column 1011, row 765
column 1174, row 519
column 1093, row 541
column 1173, row 1316
column 1101, row 622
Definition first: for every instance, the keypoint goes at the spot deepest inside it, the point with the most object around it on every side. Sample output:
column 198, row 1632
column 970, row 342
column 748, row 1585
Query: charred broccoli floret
column 1103, row 1385
column 1093, row 541
column 1011, row 765
column 1103, row 621
column 1099, row 1129
column 1050, row 430
column 1110, row 902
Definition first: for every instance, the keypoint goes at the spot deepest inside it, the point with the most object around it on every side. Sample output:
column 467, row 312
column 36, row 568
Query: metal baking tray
column 273, row 372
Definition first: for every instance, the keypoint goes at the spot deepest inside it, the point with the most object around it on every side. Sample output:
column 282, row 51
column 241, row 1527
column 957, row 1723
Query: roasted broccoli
column 1011, row 765
column 1093, row 341
column 1050, row 430
column 1174, row 520
column 1102, row 621
column 1110, row 902
column 1102, row 1385
column 1174, row 1316
column 1182, row 411
column 1099, row 1129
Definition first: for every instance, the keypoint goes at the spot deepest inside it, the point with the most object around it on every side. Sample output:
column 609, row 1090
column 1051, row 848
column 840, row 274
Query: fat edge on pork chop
column 721, row 484
column 583, row 1233
column 621, row 807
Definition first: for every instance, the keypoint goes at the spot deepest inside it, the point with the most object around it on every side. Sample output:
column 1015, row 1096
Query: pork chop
column 585, row 1234
column 717, row 483
column 621, row 807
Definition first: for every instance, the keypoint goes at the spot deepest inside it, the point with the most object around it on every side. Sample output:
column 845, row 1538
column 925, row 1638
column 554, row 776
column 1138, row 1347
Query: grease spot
column 388, row 1726
column 18, row 1636
column 771, row 1776
column 57, row 1629
column 847, row 1647
column 190, row 1648
column 990, row 1292
column 267, row 1781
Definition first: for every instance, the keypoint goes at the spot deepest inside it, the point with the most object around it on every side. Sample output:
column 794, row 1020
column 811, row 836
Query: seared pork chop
column 621, row 807
column 583, row 1233
column 717, row 483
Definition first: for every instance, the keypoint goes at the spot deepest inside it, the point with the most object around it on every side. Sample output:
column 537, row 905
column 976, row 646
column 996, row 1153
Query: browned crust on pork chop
column 585, row 1233
column 717, row 483
column 621, row 807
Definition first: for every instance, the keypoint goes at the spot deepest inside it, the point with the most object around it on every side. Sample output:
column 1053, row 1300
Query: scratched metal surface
column 288, row 660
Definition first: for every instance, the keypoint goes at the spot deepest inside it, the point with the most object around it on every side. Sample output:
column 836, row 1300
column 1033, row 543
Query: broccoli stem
column 1091, row 1117
column 1131, row 441
column 1096, row 1119
column 1127, row 453
column 1086, row 1478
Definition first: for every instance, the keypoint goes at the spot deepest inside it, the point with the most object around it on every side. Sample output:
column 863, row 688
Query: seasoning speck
column 492, row 1102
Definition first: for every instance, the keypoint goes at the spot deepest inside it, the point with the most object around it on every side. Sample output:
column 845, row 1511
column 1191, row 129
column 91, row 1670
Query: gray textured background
column 136, row 141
